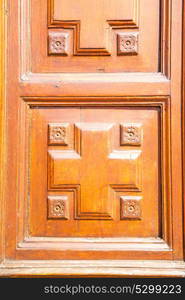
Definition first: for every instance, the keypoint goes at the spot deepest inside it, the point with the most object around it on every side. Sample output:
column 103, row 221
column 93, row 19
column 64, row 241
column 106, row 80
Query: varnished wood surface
column 96, row 134
column 176, row 84
column 28, row 243
column 30, row 91
column 107, row 20
column 183, row 117
column 2, row 124
column 96, row 268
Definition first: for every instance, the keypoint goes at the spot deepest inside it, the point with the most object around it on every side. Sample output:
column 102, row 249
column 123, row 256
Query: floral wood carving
column 58, row 134
column 127, row 43
column 131, row 134
column 58, row 207
column 130, row 207
column 57, row 43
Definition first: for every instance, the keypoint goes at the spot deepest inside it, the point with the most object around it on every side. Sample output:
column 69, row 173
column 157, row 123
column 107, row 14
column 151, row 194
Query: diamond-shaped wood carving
column 130, row 134
column 58, row 134
column 127, row 43
column 58, row 207
column 130, row 207
column 57, row 43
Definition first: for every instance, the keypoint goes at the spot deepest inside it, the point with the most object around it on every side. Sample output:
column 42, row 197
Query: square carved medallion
column 130, row 207
column 58, row 207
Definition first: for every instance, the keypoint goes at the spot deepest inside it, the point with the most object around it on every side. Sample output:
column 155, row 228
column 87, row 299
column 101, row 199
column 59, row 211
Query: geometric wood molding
column 161, row 103
column 76, row 25
column 130, row 134
column 130, row 207
column 96, row 268
column 127, row 43
column 57, row 43
column 132, row 23
column 58, row 134
column 58, row 207
column 58, row 163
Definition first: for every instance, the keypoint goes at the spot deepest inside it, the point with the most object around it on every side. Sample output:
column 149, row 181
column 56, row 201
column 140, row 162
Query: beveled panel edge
column 3, row 20
column 183, row 119
column 90, row 268
column 95, row 84
column 95, row 244
column 25, row 42
column 165, row 37
column 162, row 103
column 75, row 26
column 129, row 100
column 103, row 77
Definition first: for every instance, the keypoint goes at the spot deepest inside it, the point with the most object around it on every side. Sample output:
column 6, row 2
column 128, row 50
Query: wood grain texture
column 155, row 102
column 176, row 91
column 183, row 117
column 165, row 36
column 104, row 268
column 111, row 178
column 50, row 65
column 63, row 15
column 105, row 58
column 38, row 88
column 2, row 123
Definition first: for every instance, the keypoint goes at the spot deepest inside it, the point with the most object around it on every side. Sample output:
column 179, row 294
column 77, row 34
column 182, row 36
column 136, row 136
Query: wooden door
column 93, row 137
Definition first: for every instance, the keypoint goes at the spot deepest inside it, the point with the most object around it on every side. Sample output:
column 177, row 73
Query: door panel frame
column 2, row 124
column 157, row 246
column 183, row 119
column 89, row 268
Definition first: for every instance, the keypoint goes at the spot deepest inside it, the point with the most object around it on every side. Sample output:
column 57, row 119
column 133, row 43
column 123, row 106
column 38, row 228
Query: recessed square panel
column 89, row 166
column 76, row 37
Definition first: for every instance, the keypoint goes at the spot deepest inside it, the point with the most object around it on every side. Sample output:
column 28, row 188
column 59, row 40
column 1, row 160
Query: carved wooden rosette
column 57, row 43
column 127, row 43
column 58, row 134
column 130, row 207
column 131, row 134
column 58, row 207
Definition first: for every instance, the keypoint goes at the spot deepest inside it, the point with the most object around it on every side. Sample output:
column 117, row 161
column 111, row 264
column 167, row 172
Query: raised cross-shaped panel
column 93, row 169
column 89, row 170
column 92, row 21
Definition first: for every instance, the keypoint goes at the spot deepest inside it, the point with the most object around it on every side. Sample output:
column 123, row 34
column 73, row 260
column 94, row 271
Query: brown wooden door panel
column 101, row 171
column 90, row 188
column 93, row 136
column 115, row 31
